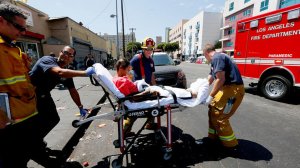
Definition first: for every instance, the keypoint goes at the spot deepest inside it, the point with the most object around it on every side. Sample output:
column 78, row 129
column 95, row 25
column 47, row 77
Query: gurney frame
column 121, row 112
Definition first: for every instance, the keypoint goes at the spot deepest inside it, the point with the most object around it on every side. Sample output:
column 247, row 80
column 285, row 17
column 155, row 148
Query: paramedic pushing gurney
column 224, row 99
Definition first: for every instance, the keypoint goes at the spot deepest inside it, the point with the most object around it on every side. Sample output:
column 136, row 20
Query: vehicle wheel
column 275, row 87
column 117, row 163
column 167, row 156
column 75, row 123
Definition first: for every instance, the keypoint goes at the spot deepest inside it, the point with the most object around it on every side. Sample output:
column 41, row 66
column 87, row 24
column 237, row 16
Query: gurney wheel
column 74, row 123
column 117, row 163
column 116, row 143
column 167, row 155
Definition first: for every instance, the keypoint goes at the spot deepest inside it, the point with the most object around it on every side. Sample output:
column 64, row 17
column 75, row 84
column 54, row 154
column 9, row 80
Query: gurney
column 168, row 100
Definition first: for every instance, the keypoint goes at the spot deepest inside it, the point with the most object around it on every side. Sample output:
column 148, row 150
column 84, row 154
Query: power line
column 100, row 12
column 125, row 10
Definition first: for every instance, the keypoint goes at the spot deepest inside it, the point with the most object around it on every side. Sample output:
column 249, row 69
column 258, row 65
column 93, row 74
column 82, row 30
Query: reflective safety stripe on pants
column 219, row 125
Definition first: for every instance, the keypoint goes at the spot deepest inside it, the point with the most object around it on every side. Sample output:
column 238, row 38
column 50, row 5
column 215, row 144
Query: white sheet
column 200, row 85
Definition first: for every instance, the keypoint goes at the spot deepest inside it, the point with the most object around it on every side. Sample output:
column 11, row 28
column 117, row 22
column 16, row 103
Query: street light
column 112, row 16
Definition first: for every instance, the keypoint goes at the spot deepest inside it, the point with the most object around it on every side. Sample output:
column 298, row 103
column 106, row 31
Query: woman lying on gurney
column 127, row 87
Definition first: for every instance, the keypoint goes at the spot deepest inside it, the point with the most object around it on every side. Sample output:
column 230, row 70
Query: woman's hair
column 122, row 63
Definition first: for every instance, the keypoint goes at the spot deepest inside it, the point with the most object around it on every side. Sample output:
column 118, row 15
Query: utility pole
column 132, row 29
column 123, row 31
column 118, row 46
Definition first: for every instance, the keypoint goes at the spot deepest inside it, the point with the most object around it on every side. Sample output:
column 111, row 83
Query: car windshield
column 162, row 59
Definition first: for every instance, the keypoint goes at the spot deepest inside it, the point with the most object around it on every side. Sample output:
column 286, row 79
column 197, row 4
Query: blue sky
column 148, row 17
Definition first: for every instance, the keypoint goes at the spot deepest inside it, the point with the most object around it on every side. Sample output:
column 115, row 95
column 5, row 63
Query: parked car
column 166, row 71
column 201, row 60
column 191, row 59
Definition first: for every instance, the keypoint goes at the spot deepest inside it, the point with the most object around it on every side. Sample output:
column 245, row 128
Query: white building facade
column 176, row 35
column 235, row 10
column 202, row 29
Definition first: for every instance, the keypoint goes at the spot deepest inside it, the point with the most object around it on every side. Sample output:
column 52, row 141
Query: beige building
column 128, row 38
column 158, row 40
column 111, row 49
column 45, row 35
column 68, row 32
column 37, row 31
column 176, row 35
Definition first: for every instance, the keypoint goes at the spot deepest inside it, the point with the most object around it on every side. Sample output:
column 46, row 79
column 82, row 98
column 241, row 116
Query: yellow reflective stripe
column 227, row 138
column 12, row 80
column 211, row 131
column 25, row 118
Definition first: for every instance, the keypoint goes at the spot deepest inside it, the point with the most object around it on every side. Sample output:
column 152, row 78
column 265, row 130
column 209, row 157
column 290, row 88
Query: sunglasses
column 149, row 49
column 67, row 53
column 16, row 25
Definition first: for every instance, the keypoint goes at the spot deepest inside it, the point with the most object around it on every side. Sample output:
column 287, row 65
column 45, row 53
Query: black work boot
column 208, row 142
column 230, row 151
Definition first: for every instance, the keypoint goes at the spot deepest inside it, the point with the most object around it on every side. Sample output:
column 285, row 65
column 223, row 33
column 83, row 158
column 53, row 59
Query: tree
column 170, row 47
column 218, row 44
column 161, row 46
column 133, row 46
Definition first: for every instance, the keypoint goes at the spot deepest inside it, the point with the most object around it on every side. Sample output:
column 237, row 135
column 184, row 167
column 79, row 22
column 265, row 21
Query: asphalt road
column 268, row 133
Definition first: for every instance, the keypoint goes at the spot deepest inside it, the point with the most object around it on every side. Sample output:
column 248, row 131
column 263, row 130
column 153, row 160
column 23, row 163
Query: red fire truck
column 267, row 51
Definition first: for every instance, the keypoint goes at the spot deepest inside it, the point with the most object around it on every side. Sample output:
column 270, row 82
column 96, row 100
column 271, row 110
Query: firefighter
column 19, row 134
column 224, row 99
column 143, row 68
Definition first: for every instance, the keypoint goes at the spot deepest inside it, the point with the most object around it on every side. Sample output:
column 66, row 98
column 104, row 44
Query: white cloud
column 209, row 6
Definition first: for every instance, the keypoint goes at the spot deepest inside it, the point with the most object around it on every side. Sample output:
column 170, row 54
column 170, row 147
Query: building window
column 247, row 12
column 245, row 1
column 264, row 5
column 229, row 44
column 286, row 3
column 232, row 18
column 231, row 6
column 231, row 31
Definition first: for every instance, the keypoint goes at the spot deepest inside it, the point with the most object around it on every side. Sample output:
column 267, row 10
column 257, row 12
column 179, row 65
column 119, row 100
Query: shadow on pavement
column 147, row 152
column 67, row 150
column 292, row 99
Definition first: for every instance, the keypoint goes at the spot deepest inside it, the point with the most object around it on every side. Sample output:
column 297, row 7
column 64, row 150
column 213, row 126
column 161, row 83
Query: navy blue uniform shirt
column 148, row 66
column 44, row 80
column 222, row 62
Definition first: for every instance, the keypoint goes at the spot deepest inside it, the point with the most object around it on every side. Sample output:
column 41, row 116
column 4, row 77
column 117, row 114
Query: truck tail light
column 180, row 74
column 278, row 62
column 241, row 27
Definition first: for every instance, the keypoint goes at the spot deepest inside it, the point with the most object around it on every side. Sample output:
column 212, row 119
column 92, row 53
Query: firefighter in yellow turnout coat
column 225, row 96
column 18, row 123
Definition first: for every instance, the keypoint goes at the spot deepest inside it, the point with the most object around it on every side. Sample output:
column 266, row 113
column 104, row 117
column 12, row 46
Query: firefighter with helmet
column 223, row 100
column 143, row 68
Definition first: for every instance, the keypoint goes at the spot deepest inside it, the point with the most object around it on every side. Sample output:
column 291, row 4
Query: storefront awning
column 34, row 35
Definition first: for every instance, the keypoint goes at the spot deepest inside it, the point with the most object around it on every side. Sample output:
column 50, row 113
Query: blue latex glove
column 82, row 111
column 90, row 71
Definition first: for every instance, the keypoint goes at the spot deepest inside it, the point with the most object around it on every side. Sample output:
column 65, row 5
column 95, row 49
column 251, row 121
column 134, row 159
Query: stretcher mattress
column 200, row 86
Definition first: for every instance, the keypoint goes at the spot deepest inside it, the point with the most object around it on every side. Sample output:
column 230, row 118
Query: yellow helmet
column 148, row 43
